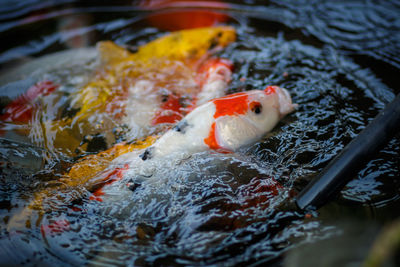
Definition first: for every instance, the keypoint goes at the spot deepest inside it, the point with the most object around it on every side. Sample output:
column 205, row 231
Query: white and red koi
column 225, row 123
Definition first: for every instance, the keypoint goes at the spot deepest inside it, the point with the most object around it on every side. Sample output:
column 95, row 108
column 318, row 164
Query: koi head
column 243, row 118
column 285, row 101
column 224, row 124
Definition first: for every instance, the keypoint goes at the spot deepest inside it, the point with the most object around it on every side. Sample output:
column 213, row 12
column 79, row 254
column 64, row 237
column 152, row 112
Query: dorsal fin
column 111, row 53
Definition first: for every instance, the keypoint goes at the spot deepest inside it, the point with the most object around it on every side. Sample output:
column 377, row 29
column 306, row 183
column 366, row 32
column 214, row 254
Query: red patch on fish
column 232, row 105
column 21, row 109
column 111, row 177
column 211, row 140
column 236, row 104
column 55, row 227
column 170, row 111
column 270, row 90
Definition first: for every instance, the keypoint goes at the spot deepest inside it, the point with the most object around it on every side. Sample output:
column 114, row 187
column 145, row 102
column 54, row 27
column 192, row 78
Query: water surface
column 339, row 61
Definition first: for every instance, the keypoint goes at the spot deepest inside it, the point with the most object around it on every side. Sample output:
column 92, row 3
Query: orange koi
column 179, row 20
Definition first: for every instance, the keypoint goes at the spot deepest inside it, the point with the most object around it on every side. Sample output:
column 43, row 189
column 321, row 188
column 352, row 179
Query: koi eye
column 256, row 107
column 164, row 98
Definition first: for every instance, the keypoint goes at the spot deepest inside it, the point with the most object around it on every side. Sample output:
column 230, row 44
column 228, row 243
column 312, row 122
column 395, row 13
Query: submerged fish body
column 213, row 77
column 21, row 109
column 147, row 109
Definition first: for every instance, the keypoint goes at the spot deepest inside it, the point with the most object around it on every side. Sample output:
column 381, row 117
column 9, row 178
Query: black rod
column 352, row 158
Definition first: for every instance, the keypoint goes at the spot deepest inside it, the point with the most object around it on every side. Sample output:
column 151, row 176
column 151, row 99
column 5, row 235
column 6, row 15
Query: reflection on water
column 365, row 27
column 338, row 61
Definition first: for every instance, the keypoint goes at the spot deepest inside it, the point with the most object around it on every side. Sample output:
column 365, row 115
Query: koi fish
column 212, row 77
column 147, row 109
column 225, row 124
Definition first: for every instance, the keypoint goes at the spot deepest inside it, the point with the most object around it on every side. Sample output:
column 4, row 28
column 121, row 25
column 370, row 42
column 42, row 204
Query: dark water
column 340, row 61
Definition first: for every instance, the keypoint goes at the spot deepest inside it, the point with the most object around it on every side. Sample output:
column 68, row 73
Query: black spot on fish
column 96, row 143
column 146, row 154
column 68, row 111
column 133, row 185
column 181, row 126
column 164, row 98
column 213, row 43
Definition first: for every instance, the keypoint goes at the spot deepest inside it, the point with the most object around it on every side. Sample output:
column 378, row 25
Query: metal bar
column 352, row 158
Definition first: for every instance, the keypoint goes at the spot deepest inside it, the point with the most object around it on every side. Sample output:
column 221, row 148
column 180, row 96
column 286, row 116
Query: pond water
column 340, row 62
